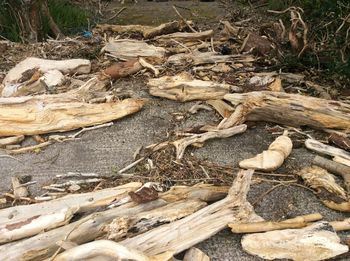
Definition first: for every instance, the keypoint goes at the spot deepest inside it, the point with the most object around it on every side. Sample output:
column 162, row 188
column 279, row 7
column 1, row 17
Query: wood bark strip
column 185, row 233
column 293, row 109
column 61, row 112
column 84, row 201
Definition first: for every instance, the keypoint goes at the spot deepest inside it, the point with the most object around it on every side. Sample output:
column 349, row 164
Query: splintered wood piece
column 12, row 231
column 109, row 250
column 336, row 168
column 315, row 242
column 182, row 144
column 147, row 31
column 121, row 227
column 183, row 87
column 194, row 254
column 84, row 201
column 11, row 140
column 293, row 109
column 186, row 37
column 128, row 49
column 61, row 112
column 198, row 58
column 330, row 193
column 339, row 155
column 123, row 69
column 263, row 226
column 185, row 233
column 79, row 66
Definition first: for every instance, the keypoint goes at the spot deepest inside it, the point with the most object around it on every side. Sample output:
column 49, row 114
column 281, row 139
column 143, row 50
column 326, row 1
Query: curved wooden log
column 293, row 109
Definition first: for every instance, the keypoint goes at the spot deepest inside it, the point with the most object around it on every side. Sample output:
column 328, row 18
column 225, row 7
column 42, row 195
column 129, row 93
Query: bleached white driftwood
column 12, row 231
column 186, row 232
column 341, row 156
column 107, row 250
column 315, row 242
column 194, row 254
column 11, row 140
column 185, row 37
column 128, row 49
column 79, row 66
column 84, row 201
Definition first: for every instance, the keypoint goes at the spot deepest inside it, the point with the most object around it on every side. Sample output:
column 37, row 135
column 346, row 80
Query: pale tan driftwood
column 128, row 49
column 61, row 112
column 107, row 250
column 185, row 37
column 237, row 117
column 145, row 221
column 84, row 230
column 84, row 201
column 12, row 231
column 194, row 254
column 331, row 194
column 263, row 226
column 319, row 147
column 79, row 66
column 19, row 191
column 224, row 109
column 183, row 87
column 336, row 168
column 91, row 226
column 149, row 66
column 272, row 158
column 198, row 58
column 293, row 109
column 199, row 106
column 185, row 233
column 312, row 243
column 147, row 31
column 229, row 29
column 341, row 225
column 11, row 140
column 182, row 144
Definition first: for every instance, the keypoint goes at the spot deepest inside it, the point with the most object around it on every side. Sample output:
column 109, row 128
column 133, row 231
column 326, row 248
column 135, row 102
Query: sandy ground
column 105, row 149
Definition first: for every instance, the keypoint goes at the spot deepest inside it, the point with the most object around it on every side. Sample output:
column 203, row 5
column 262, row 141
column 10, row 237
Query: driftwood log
column 128, row 49
column 292, row 109
column 315, row 242
column 198, row 58
column 83, row 202
column 92, row 226
column 147, row 31
column 183, row 87
column 184, row 233
column 61, row 112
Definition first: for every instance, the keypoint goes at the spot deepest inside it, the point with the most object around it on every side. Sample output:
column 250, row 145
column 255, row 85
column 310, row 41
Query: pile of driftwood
column 138, row 222
column 135, row 222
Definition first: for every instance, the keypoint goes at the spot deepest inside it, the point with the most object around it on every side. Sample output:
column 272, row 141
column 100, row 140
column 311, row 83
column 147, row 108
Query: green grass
column 70, row 19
